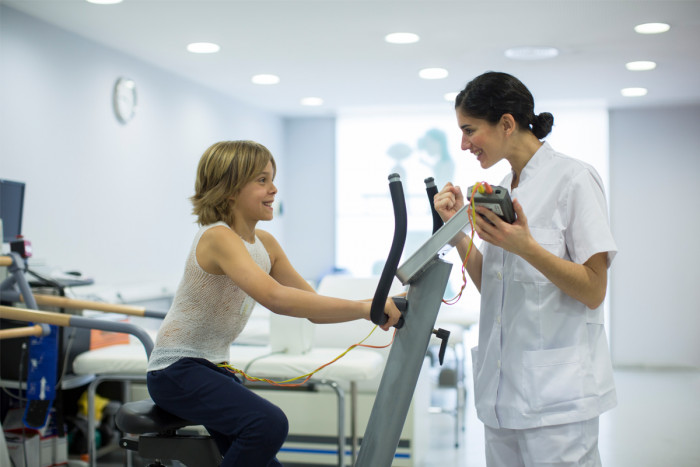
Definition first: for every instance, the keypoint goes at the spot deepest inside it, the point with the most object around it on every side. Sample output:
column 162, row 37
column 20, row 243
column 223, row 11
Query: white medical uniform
column 542, row 357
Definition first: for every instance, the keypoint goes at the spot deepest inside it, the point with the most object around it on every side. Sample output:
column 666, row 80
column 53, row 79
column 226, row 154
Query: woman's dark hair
column 493, row 94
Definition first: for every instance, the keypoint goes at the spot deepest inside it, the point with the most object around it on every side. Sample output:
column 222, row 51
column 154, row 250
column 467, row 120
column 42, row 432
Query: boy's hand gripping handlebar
column 400, row 227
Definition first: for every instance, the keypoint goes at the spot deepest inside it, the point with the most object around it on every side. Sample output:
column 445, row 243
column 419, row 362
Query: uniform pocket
column 550, row 239
column 553, row 377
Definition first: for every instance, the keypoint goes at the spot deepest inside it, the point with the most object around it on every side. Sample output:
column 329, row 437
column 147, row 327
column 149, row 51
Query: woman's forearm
column 585, row 282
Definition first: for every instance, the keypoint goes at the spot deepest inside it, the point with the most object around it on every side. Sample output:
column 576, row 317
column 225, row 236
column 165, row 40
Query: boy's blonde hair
column 224, row 169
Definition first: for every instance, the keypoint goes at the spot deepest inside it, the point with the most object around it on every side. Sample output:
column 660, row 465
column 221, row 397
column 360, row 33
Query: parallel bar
column 72, row 303
column 34, row 316
column 58, row 319
column 36, row 330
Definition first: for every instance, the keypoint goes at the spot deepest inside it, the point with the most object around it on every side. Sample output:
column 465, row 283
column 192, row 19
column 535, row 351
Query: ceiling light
column 433, row 73
column 265, row 79
column 531, row 53
column 634, row 92
column 203, row 48
column 312, row 101
column 652, row 28
column 642, row 65
column 402, row 38
column 450, row 96
column 104, row 2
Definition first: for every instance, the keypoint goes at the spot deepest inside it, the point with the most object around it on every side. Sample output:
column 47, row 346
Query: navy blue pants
column 248, row 429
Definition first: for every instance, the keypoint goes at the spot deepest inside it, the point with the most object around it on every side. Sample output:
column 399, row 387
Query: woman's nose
column 466, row 144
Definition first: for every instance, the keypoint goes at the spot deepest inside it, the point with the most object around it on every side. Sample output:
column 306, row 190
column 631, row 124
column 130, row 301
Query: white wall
column 109, row 199
column 655, row 284
column 309, row 201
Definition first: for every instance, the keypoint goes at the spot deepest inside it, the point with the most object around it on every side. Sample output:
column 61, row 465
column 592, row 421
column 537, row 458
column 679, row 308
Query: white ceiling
column 334, row 49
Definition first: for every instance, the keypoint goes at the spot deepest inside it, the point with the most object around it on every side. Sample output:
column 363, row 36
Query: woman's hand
column 448, row 201
column 514, row 237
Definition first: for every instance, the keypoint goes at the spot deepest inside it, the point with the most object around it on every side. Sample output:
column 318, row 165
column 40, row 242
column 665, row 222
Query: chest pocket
column 551, row 240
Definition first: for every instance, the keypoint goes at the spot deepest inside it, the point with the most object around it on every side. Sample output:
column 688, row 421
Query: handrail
column 5, row 261
column 400, row 230
column 60, row 319
column 27, row 331
column 431, row 190
column 76, row 304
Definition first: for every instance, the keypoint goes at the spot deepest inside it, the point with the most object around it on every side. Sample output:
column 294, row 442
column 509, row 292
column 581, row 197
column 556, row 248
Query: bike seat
column 146, row 417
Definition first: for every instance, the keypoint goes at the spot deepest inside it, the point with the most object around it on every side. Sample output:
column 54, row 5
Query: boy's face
column 254, row 201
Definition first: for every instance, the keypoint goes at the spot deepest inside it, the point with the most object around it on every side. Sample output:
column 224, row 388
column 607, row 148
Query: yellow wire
column 455, row 299
column 307, row 376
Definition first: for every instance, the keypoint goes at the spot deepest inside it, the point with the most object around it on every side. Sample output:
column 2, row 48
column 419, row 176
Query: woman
column 542, row 370
column 230, row 265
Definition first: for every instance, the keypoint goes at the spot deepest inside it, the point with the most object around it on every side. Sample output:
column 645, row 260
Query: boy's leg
column 197, row 390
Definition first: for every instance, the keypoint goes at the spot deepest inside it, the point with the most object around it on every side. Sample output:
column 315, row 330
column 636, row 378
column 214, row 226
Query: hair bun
column 542, row 124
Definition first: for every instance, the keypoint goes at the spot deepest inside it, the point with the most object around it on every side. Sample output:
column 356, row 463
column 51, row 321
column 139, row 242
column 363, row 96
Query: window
column 372, row 145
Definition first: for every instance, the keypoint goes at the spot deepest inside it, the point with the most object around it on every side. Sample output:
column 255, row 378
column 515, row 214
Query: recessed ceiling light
column 433, row 73
column 450, row 96
column 104, row 2
column 402, row 38
column 531, row 53
column 652, row 28
column 634, row 92
column 265, row 79
column 642, row 65
column 203, row 48
column 312, row 101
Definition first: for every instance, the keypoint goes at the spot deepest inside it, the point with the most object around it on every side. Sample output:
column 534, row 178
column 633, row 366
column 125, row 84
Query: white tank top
column 208, row 312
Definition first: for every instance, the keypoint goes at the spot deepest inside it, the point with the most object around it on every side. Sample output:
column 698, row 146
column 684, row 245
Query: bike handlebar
column 392, row 263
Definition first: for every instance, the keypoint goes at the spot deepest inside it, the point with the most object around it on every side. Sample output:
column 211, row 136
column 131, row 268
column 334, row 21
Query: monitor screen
column 11, row 207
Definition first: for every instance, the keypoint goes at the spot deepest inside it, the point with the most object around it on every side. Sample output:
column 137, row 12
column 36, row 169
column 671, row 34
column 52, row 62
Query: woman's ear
column 508, row 124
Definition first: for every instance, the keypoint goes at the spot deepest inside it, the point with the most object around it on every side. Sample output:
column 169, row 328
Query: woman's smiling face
column 481, row 138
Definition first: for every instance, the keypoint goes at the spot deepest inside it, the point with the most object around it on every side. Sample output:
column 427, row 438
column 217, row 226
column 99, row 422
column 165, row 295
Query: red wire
column 456, row 299
column 308, row 377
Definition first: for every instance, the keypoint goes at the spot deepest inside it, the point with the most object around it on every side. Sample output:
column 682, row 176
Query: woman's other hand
column 448, row 201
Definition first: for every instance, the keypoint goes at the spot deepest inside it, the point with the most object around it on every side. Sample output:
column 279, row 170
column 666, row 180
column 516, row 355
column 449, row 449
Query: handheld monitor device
column 498, row 201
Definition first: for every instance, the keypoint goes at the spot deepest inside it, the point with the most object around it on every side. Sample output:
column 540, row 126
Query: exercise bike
column 154, row 433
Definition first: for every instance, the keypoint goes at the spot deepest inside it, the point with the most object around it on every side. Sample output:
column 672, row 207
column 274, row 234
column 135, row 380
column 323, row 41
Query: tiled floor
column 656, row 424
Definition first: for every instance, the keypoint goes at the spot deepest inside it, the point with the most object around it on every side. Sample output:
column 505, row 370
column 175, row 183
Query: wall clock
column 124, row 99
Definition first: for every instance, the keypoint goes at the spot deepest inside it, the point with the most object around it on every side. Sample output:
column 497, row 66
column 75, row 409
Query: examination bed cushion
column 356, row 365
